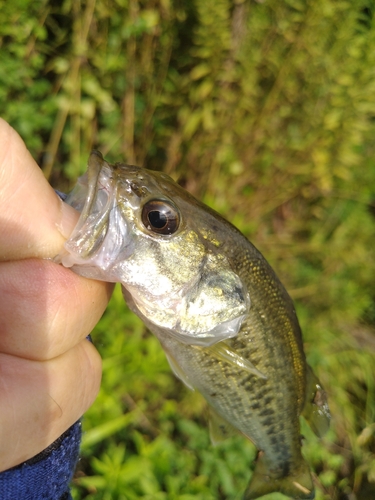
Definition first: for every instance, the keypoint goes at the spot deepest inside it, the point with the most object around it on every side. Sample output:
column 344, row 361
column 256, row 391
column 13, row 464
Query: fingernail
column 69, row 218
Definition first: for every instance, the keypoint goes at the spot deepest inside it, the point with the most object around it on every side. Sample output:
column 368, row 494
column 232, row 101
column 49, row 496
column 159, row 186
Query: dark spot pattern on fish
column 286, row 468
column 267, row 412
column 274, row 440
column 247, row 381
column 281, row 439
column 270, row 426
column 268, row 400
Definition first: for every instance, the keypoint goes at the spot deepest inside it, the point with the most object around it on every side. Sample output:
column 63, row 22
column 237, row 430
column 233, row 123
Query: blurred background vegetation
column 266, row 111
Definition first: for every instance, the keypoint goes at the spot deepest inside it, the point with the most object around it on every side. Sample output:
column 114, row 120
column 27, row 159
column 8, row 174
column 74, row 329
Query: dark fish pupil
column 157, row 219
column 160, row 217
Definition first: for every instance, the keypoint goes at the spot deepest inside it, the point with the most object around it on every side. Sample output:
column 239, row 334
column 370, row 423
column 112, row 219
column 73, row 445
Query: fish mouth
column 95, row 213
column 101, row 231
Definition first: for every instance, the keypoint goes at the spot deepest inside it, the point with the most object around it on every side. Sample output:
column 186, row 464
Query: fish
column 224, row 320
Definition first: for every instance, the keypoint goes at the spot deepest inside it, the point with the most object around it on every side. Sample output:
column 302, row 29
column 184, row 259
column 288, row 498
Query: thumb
column 34, row 222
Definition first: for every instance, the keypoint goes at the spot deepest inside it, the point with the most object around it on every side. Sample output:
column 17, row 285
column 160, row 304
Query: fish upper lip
column 94, row 168
column 89, row 242
column 97, row 224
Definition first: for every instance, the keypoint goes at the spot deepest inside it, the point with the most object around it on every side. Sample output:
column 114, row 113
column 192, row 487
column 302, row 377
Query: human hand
column 49, row 373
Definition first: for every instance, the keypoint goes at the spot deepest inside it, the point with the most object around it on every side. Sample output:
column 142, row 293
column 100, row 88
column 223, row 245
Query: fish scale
column 223, row 318
column 230, row 403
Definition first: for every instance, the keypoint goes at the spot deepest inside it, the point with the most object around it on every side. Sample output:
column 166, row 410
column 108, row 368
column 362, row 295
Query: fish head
column 140, row 228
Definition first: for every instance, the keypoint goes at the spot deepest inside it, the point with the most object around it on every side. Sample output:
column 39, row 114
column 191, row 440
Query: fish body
column 223, row 318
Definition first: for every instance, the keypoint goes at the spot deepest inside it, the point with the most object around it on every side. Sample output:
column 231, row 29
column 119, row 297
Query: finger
column 34, row 222
column 45, row 309
column 41, row 400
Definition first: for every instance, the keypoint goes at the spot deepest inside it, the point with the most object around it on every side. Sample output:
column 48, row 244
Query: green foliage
column 265, row 110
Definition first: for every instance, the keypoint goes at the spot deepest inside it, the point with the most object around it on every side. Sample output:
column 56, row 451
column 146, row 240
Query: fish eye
column 161, row 217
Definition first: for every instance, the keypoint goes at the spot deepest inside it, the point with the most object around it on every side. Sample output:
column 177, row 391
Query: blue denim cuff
column 47, row 475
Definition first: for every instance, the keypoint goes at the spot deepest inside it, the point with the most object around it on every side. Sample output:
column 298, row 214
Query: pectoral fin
column 224, row 352
column 316, row 410
column 219, row 428
column 176, row 369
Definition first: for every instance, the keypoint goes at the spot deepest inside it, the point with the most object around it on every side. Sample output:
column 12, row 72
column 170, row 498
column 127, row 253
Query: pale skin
column 49, row 373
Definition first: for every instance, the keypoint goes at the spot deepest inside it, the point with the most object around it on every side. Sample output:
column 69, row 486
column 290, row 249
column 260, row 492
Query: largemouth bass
column 223, row 318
